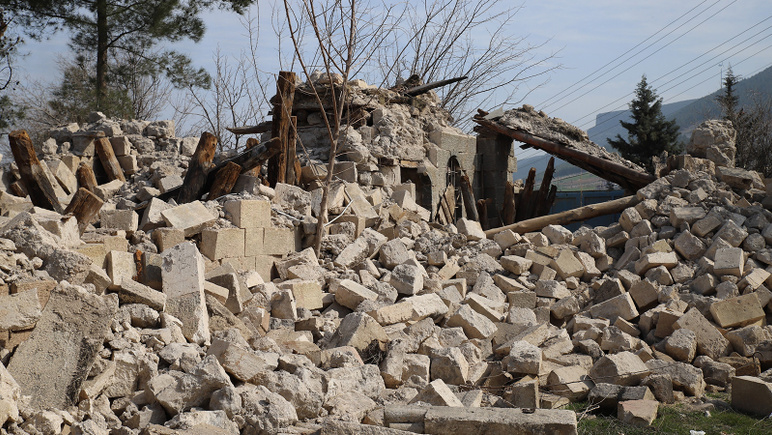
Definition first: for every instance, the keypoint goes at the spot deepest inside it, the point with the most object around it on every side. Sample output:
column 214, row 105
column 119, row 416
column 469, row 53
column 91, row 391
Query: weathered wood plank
column 104, row 150
column 84, row 206
column 467, row 196
column 224, row 180
column 194, row 184
column 86, row 178
column 39, row 187
column 280, row 126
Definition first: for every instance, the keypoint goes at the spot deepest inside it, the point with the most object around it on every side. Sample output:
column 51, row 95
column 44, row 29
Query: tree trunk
column 102, row 45
column 39, row 187
column 107, row 157
column 224, row 181
column 84, row 206
column 195, row 178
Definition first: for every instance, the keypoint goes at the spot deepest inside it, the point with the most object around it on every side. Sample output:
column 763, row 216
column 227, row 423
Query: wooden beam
column 86, row 178
column 104, row 150
column 194, row 183
column 468, row 197
column 282, row 112
column 84, row 206
column 39, row 187
column 525, row 199
column 224, row 180
column 598, row 166
column 509, row 211
column 544, row 190
column 569, row 216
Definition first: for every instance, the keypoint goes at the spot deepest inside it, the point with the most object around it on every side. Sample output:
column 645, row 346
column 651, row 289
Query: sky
column 602, row 47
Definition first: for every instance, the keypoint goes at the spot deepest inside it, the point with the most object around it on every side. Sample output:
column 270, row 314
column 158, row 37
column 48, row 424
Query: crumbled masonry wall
column 209, row 317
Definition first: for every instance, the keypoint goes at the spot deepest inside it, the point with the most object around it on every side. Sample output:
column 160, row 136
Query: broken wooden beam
column 509, row 210
column 38, row 186
column 468, row 197
column 224, row 180
column 422, row 89
column 84, row 206
column 104, row 150
column 569, row 216
column 542, row 204
column 263, row 127
column 86, row 178
column 194, row 184
column 525, row 198
column 612, row 171
column 250, row 159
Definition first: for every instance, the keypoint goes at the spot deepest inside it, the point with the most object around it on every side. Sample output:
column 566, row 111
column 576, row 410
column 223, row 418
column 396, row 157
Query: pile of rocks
column 210, row 317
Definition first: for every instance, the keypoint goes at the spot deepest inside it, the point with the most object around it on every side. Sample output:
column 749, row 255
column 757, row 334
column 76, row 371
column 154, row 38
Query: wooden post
column 292, row 175
column 84, row 206
column 195, row 178
column 508, row 211
column 251, row 143
column 86, row 177
column 107, row 157
column 39, row 187
column 569, row 216
column 282, row 111
column 468, row 197
column 224, row 180
column 482, row 209
column 524, row 206
column 541, row 203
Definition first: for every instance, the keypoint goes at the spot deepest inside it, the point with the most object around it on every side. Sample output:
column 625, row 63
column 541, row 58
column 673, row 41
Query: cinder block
column 165, row 238
column 191, row 218
column 222, row 243
column 253, row 241
column 280, row 241
column 127, row 220
column 249, row 213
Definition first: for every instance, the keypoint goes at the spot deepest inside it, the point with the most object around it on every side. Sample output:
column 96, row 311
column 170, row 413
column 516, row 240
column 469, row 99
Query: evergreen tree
column 729, row 100
column 650, row 133
column 102, row 27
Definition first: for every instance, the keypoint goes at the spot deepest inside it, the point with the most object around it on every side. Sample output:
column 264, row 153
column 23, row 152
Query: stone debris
column 216, row 316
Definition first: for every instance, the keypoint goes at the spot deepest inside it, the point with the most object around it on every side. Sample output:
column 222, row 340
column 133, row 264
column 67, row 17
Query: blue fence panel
column 571, row 200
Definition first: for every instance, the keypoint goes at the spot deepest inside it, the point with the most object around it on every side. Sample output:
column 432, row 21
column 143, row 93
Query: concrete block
column 645, row 294
column 729, row 261
column 475, row 325
column 515, row 264
column 166, row 238
column 407, row 279
column 447, row 420
column 738, row 311
column 567, row 265
column 471, row 229
column 752, row 395
column 52, row 364
column 619, row 306
column 638, row 412
column 350, row 294
column 437, row 393
column 308, row 293
column 655, row 259
column 222, row 243
column 20, row 311
column 120, row 266
column 358, row 330
column 191, row 218
column 247, row 213
column 183, row 284
column 523, row 358
column 132, row 292
column 152, row 218
column 623, row 368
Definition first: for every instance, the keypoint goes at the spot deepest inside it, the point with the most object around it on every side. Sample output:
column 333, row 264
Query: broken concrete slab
column 53, row 363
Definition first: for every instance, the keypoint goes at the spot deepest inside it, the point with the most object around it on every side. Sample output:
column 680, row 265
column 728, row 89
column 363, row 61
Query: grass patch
column 675, row 419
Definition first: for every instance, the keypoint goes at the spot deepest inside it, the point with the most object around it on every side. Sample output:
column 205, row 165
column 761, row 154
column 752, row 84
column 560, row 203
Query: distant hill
column 688, row 114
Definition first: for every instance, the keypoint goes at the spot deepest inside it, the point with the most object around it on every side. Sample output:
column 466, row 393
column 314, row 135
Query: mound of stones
column 211, row 317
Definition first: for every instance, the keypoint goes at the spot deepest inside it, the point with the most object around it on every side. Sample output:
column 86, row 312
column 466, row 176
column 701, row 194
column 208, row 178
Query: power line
column 547, row 102
column 652, row 54
column 681, row 75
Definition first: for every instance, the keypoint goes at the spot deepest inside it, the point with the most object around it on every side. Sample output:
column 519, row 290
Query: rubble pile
column 211, row 317
column 539, row 124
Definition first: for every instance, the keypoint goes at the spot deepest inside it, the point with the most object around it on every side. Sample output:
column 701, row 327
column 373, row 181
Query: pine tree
column 650, row 133
column 102, row 27
column 729, row 100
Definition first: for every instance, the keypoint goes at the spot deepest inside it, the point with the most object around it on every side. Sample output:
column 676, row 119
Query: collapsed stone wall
column 210, row 316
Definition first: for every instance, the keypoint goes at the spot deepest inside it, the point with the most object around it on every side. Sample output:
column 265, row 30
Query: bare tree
column 754, row 135
column 238, row 94
column 441, row 39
